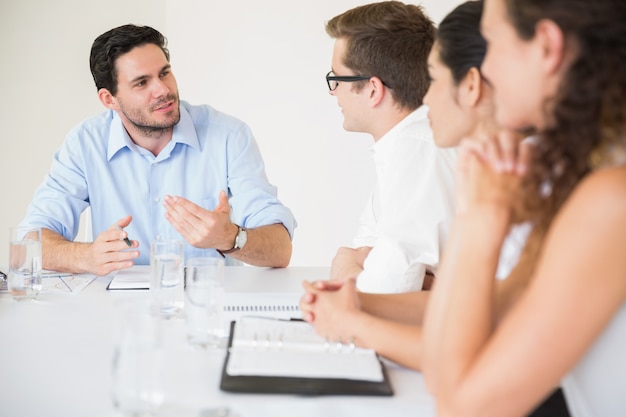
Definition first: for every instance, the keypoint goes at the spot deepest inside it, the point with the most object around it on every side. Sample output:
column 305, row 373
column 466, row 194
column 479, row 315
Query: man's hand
column 200, row 227
column 108, row 253
column 268, row 245
column 348, row 262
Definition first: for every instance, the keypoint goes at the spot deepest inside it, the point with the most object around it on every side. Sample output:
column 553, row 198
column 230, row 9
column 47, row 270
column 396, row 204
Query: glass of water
column 204, row 301
column 136, row 369
column 24, row 281
column 166, row 277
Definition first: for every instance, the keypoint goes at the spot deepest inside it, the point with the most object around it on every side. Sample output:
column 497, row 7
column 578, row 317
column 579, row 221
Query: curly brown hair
column 589, row 110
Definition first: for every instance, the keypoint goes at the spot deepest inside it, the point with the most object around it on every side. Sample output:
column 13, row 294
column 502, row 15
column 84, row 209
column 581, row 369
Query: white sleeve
column 416, row 209
column 366, row 233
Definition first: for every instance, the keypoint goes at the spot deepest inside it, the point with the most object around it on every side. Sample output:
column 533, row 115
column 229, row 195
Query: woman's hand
column 490, row 172
column 330, row 307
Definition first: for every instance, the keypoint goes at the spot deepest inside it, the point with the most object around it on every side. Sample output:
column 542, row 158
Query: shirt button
column 157, row 199
column 157, row 237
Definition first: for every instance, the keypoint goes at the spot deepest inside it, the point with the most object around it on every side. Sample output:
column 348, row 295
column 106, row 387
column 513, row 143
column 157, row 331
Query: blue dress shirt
column 99, row 165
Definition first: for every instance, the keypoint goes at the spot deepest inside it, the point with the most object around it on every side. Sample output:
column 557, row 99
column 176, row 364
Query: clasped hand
column 490, row 171
column 330, row 307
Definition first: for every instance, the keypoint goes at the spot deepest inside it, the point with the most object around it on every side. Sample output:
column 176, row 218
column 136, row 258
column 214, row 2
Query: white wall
column 263, row 62
column 46, row 87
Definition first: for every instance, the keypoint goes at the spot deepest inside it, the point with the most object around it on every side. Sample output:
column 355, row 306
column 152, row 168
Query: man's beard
column 153, row 128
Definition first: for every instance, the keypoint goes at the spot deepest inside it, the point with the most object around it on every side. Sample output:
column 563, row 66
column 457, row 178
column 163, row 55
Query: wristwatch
column 240, row 241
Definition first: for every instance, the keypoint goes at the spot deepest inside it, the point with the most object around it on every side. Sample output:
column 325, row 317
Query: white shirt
column 409, row 212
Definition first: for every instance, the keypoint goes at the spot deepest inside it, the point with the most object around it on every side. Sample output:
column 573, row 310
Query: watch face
column 242, row 238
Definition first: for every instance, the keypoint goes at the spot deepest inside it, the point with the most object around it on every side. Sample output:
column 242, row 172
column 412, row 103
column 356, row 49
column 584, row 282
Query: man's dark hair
column 118, row 41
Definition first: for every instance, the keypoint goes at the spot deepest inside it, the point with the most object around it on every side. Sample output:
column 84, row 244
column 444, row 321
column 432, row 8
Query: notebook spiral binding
column 264, row 341
column 260, row 308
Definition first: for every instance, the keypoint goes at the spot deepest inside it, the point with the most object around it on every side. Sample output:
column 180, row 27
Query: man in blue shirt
column 154, row 167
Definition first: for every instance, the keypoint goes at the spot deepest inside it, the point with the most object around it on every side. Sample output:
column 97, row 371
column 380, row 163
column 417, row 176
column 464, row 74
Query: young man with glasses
column 379, row 76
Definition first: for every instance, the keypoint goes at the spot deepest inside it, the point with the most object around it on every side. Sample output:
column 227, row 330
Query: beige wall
column 262, row 61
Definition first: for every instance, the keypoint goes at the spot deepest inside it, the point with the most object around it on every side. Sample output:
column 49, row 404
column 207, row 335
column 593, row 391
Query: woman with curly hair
column 556, row 68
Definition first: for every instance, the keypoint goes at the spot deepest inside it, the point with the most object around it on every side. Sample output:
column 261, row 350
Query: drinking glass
column 204, row 301
column 166, row 277
column 24, row 281
column 136, row 369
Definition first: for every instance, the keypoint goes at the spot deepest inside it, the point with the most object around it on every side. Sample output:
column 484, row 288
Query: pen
column 126, row 239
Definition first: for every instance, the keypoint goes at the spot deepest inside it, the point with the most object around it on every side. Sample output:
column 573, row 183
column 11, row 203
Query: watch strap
column 235, row 248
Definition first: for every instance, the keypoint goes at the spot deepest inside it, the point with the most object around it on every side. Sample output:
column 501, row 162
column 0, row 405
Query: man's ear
column 470, row 88
column 552, row 42
column 107, row 99
column 377, row 90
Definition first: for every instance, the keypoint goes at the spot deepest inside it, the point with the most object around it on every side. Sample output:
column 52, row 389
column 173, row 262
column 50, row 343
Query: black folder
column 297, row 385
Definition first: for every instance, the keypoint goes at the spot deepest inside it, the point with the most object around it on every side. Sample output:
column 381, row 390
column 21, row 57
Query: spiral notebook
column 281, row 305
column 280, row 356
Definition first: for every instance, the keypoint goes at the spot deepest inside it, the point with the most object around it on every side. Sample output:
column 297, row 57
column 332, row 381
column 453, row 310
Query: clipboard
column 300, row 385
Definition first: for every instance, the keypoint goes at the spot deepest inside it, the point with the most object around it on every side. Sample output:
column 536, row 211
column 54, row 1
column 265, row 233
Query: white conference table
column 56, row 354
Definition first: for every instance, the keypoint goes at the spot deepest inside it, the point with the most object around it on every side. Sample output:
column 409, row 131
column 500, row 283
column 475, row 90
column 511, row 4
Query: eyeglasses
column 333, row 80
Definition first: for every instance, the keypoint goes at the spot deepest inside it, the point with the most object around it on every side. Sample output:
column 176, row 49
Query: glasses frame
column 344, row 78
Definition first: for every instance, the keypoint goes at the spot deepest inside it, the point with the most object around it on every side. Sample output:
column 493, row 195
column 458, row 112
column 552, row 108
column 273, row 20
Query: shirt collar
column 184, row 132
column 387, row 140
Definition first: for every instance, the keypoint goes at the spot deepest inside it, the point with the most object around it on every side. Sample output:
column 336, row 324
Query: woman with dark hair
column 556, row 68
